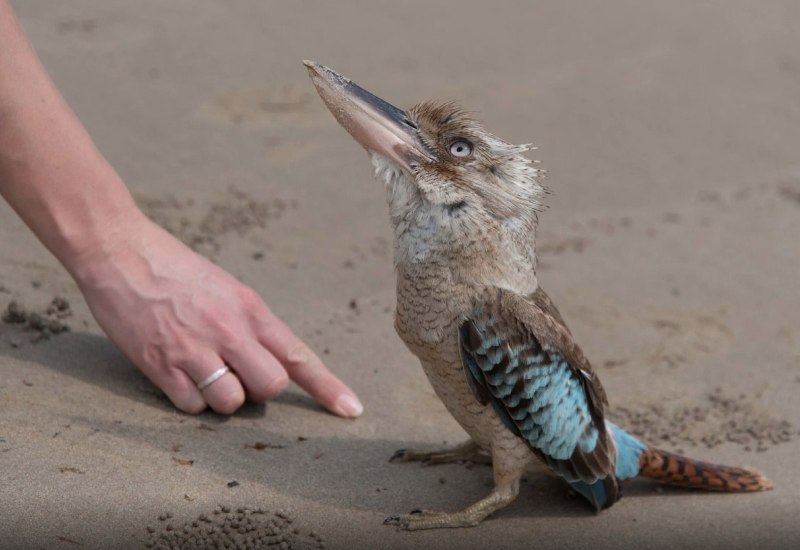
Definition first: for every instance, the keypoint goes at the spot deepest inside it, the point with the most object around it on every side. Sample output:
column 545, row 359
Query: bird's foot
column 501, row 496
column 427, row 519
column 466, row 452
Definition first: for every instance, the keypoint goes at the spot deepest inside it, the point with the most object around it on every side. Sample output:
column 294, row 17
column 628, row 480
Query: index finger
column 306, row 369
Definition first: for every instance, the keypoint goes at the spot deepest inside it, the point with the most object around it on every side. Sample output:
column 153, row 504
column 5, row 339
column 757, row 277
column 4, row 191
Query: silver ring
column 213, row 377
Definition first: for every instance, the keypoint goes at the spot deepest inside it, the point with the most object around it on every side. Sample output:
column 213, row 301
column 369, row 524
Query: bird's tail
column 634, row 458
column 678, row 470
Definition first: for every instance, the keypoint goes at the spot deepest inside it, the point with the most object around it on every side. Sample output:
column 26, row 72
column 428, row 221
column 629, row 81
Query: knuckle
column 230, row 334
column 299, row 353
column 271, row 388
column 277, row 385
column 192, row 408
column 160, row 352
column 229, row 402
column 250, row 298
column 153, row 354
column 209, row 315
column 232, row 341
column 181, row 392
column 258, row 394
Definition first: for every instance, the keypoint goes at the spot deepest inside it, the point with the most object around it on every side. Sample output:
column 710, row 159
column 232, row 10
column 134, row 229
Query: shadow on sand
column 321, row 469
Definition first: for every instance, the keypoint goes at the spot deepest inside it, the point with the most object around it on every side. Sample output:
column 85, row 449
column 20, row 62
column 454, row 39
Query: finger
column 225, row 394
column 307, row 370
column 261, row 374
column 181, row 390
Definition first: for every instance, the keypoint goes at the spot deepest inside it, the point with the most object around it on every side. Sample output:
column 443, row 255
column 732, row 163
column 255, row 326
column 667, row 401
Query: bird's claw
column 411, row 455
column 398, row 521
column 399, row 454
column 408, row 522
column 466, row 452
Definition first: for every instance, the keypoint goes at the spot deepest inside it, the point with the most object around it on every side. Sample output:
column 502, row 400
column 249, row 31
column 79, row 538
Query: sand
column 670, row 132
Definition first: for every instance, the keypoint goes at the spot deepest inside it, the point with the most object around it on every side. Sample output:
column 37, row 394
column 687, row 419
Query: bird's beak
column 378, row 126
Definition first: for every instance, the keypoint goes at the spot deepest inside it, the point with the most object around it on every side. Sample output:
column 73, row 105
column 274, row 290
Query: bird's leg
column 508, row 471
column 469, row 451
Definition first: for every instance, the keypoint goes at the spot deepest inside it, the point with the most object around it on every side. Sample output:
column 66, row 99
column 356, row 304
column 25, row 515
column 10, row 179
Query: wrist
column 89, row 248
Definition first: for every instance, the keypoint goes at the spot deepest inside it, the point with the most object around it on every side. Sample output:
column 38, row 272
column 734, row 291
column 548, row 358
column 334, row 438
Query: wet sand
column 670, row 132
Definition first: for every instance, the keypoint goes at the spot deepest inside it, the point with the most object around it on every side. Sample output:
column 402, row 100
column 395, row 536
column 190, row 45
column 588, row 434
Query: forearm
column 50, row 171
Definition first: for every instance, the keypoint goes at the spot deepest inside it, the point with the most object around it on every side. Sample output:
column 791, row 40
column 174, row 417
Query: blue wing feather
column 548, row 408
column 542, row 396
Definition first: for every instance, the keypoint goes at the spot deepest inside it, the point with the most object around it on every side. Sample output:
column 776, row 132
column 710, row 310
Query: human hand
column 176, row 315
column 180, row 318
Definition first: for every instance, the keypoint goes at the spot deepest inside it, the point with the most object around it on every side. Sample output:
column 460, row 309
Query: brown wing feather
column 530, row 319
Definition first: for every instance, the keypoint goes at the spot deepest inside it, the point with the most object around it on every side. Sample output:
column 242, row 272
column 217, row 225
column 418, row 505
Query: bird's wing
column 519, row 356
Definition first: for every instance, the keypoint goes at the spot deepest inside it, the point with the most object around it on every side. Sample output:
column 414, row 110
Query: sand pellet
column 42, row 324
column 243, row 529
column 720, row 419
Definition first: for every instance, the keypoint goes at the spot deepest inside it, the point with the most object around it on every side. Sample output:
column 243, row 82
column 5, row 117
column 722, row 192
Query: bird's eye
column 461, row 148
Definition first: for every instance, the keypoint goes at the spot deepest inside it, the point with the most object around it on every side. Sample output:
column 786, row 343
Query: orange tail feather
column 678, row 470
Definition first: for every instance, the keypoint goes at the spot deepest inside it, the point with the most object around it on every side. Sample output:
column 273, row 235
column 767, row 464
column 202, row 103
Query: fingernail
column 348, row 405
column 277, row 386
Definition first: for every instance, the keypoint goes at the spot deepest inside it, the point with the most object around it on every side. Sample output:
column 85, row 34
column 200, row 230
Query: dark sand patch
column 226, row 528
column 42, row 324
column 790, row 191
column 721, row 419
column 202, row 228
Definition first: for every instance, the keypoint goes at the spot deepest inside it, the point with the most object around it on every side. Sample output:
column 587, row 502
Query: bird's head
column 452, row 185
